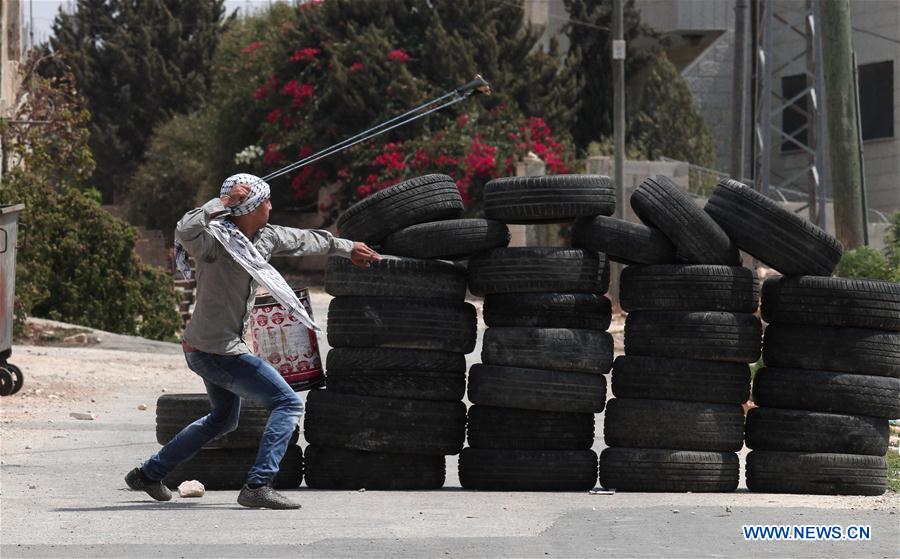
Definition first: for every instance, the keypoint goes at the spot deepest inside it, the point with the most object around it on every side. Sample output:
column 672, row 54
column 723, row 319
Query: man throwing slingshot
column 231, row 241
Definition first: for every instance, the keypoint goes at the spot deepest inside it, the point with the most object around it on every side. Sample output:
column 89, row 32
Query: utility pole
column 618, row 61
column 840, row 103
column 738, row 93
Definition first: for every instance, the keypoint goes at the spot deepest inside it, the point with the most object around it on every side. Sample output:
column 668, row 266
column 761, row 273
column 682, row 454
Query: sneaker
column 264, row 497
column 137, row 481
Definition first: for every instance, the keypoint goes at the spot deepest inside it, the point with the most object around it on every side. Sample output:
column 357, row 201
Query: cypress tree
column 136, row 63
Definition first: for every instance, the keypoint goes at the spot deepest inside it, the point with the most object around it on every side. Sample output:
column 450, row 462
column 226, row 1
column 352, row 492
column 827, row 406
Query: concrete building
column 876, row 39
column 10, row 52
column 701, row 40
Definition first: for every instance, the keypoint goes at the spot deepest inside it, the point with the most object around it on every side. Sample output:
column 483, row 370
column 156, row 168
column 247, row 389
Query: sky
column 45, row 10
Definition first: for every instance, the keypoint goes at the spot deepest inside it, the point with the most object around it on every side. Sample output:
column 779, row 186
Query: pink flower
column 356, row 66
column 480, row 159
column 308, row 5
column 305, row 55
column 445, row 160
column 421, row 159
column 398, row 55
column 255, row 45
column 301, row 92
column 273, row 155
column 274, row 116
column 296, row 89
column 261, row 93
column 462, row 119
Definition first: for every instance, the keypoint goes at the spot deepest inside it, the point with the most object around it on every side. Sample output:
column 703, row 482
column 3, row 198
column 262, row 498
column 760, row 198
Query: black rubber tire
column 453, row 239
column 397, row 277
column 548, row 310
column 674, row 425
column 417, row 200
column 711, row 335
column 821, row 301
column 827, row 391
column 384, row 424
column 558, row 349
column 174, row 412
column 342, row 468
column 816, row 473
column 777, row 237
column 664, row 378
column 439, row 386
column 673, row 287
column 549, row 199
column 813, row 431
column 697, row 238
column 534, row 389
column 226, row 469
column 390, row 359
column 538, row 269
column 493, row 427
column 623, row 241
column 7, row 382
column 655, row 469
column 527, row 470
column 18, row 376
column 831, row 348
column 403, row 323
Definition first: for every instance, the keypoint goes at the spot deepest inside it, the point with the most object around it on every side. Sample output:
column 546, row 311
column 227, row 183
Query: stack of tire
column 224, row 462
column 676, row 422
column 832, row 356
column 399, row 332
column 546, row 348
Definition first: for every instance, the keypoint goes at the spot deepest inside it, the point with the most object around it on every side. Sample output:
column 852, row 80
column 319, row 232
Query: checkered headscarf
column 259, row 192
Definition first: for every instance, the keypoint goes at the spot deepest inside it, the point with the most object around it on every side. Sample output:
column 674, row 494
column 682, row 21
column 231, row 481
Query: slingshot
column 478, row 85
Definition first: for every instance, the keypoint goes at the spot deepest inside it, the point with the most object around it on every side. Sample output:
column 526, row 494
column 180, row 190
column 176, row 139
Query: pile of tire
column 831, row 351
column 399, row 330
column 546, row 349
column 224, row 462
column 676, row 422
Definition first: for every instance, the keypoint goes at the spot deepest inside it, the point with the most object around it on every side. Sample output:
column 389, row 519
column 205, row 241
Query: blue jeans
column 229, row 378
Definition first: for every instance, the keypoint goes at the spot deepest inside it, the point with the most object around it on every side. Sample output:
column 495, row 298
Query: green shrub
column 867, row 263
column 78, row 263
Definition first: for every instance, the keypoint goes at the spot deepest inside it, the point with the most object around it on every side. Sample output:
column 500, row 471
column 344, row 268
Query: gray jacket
column 225, row 291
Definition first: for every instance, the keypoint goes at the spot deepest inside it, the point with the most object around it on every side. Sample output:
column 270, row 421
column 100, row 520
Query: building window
column 876, row 100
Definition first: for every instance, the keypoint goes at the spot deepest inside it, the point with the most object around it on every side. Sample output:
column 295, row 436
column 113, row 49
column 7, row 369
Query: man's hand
column 236, row 195
column 363, row 256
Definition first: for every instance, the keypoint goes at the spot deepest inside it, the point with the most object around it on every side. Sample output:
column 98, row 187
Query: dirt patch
column 46, row 334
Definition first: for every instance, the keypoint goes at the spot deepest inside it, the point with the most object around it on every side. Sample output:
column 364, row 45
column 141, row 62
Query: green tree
column 136, row 62
column 78, row 263
column 297, row 79
column 590, row 54
column 175, row 167
column 664, row 120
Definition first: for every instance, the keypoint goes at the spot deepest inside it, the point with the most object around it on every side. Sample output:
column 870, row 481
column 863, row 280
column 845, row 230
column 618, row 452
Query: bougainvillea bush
column 297, row 79
column 475, row 148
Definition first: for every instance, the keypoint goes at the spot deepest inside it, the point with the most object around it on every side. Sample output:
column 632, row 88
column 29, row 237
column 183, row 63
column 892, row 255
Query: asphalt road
column 62, row 493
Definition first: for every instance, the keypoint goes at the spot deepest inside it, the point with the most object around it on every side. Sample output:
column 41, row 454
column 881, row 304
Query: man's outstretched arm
column 310, row 242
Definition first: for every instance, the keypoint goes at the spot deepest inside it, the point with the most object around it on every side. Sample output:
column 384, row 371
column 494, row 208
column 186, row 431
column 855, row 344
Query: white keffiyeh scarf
column 242, row 250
